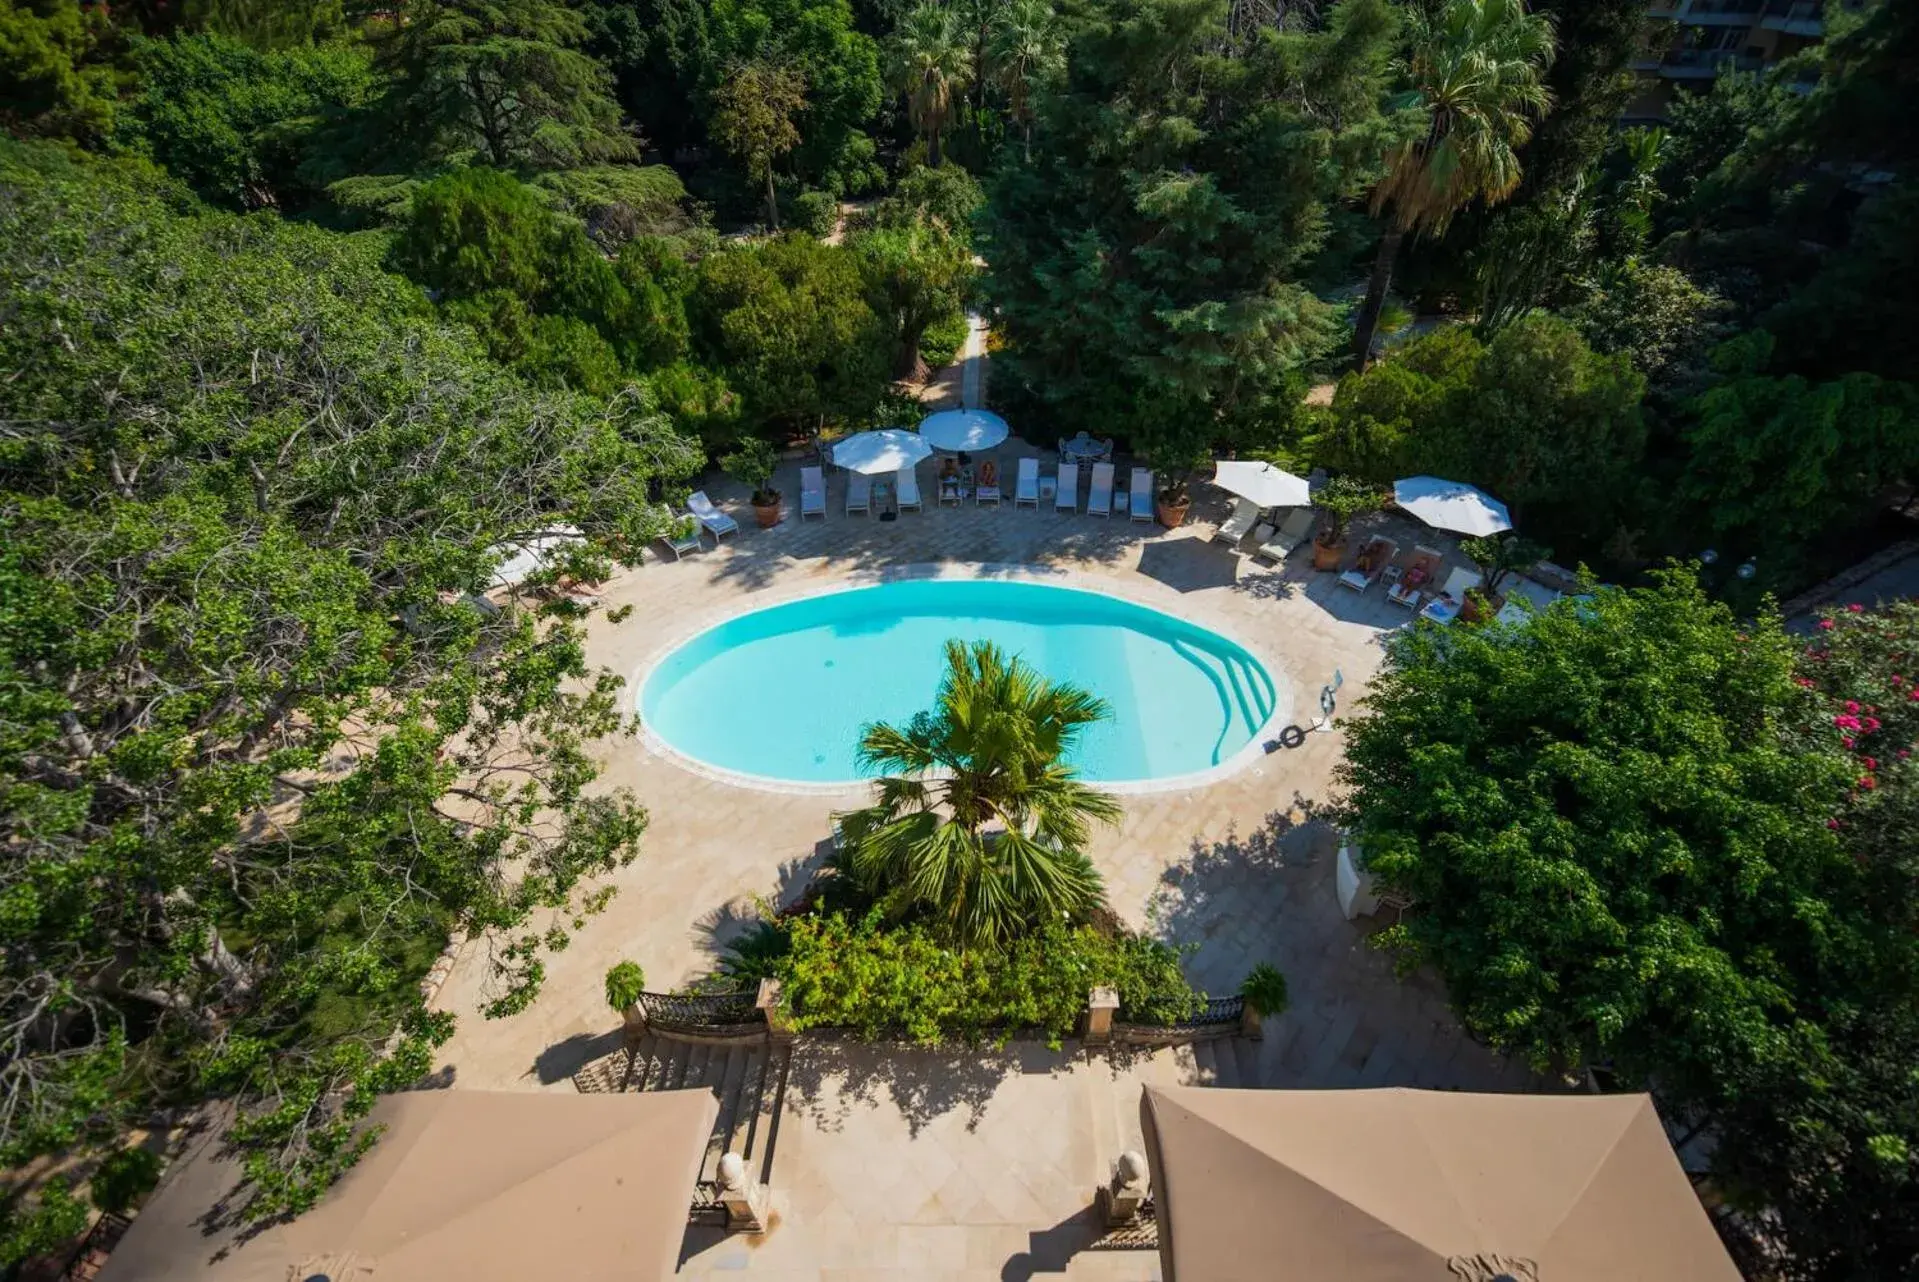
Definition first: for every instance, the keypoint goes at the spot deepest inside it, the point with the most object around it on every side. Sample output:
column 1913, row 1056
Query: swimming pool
column 782, row 693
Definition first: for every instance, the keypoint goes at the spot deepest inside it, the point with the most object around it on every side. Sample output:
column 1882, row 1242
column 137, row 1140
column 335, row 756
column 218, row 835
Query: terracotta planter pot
column 1327, row 556
column 1171, row 515
column 767, row 514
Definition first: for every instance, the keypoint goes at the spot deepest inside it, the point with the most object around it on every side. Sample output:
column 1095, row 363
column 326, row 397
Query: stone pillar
column 1100, row 1005
column 1120, row 1197
column 1249, row 1021
column 744, row 1201
column 768, row 1003
column 633, row 1021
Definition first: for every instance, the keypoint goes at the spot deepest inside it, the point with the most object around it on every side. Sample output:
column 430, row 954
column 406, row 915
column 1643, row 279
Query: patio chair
column 1244, row 517
column 859, row 493
column 987, row 491
column 1369, row 564
column 906, row 491
column 1445, row 607
column 812, row 493
column 681, row 540
column 1414, row 578
column 717, row 523
column 1026, row 485
column 1099, row 500
column 1279, row 544
column 949, row 487
column 1141, row 498
column 1066, row 498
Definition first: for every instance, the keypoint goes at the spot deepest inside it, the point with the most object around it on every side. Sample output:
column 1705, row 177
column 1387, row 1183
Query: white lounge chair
column 1278, row 544
column 681, row 542
column 1026, row 484
column 812, row 493
column 717, row 523
column 1382, row 552
column 1525, row 599
column 1066, row 498
column 1415, row 577
column 859, row 493
column 1445, row 607
column 1142, row 494
column 1244, row 517
column 1099, row 500
column 984, row 494
column 906, row 491
column 949, row 487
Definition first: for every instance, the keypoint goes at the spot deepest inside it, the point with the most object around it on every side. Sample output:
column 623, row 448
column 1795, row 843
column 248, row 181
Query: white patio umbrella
column 969, row 430
column 876, row 453
column 1262, row 483
column 1451, row 505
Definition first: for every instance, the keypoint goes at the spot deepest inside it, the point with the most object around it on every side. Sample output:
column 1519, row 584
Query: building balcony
column 1704, row 64
column 1795, row 17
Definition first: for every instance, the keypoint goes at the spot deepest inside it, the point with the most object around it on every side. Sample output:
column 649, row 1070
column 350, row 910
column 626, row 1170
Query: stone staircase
column 746, row 1074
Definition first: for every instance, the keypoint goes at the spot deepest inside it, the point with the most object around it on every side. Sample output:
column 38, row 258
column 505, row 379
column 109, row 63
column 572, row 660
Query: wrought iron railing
column 1182, row 1011
column 718, row 1014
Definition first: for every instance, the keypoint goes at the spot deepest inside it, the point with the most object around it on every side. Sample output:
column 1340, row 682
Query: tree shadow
column 1189, row 565
column 1051, row 1250
column 831, row 1074
column 569, row 1055
column 717, row 928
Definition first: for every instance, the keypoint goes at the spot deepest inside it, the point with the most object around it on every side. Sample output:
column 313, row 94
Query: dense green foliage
column 255, row 721
column 894, row 981
column 979, row 826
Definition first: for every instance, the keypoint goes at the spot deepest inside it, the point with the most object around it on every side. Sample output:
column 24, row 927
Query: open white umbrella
column 1262, row 483
column 877, row 453
column 1451, row 505
column 968, row 430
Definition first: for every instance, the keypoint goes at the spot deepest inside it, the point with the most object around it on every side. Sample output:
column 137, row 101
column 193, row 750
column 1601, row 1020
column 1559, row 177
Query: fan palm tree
column 931, row 64
column 978, row 821
column 1025, row 53
column 1478, row 68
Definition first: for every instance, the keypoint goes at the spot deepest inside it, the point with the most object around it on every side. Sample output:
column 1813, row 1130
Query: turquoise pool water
column 783, row 692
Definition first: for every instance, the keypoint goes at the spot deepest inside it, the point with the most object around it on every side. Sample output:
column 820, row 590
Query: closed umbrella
column 1262, row 483
column 877, row 453
column 1451, row 505
column 963, row 430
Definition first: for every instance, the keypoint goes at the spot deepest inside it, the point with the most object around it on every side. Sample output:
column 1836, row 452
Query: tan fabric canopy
column 479, row 1186
column 1421, row 1186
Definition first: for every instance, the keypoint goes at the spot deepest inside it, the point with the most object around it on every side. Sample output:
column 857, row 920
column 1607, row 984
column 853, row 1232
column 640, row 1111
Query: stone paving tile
column 908, row 1163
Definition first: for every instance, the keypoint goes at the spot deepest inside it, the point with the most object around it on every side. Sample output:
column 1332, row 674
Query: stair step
column 731, row 1089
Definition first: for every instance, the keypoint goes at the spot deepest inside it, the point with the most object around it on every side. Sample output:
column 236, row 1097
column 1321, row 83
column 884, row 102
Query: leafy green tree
column 659, row 52
column 503, row 79
column 916, row 274
column 619, row 202
column 1618, row 855
column 1147, row 266
column 49, row 85
column 979, row 824
column 1478, row 68
column 788, row 324
column 265, row 753
column 841, row 66
column 753, row 117
column 1775, row 462
column 236, row 124
column 931, row 61
column 1657, row 316
column 1378, row 414
column 947, row 197
column 1025, row 55
column 271, row 24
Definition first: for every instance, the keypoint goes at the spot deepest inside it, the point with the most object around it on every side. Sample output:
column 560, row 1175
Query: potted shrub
column 1341, row 499
column 752, row 463
column 1175, row 496
column 625, row 981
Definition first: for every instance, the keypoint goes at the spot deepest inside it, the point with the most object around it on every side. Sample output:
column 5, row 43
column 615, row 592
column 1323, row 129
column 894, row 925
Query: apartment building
column 1689, row 42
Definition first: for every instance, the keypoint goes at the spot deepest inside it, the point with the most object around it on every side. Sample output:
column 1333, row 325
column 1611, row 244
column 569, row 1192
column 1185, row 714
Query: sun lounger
column 1525, row 599
column 1445, row 607
column 859, row 493
column 680, row 542
column 812, row 493
column 1026, row 485
column 1099, row 500
column 988, row 491
column 1142, row 494
column 717, row 523
column 1278, row 544
column 1066, row 498
column 949, row 489
column 1239, row 524
column 907, row 491
column 1377, row 555
column 1416, row 577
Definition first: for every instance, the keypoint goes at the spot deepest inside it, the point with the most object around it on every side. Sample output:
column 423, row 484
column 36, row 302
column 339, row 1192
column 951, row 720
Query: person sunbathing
column 988, row 474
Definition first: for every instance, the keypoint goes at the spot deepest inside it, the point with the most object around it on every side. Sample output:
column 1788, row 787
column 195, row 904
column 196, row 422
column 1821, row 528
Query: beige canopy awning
column 478, row 1186
column 1421, row 1186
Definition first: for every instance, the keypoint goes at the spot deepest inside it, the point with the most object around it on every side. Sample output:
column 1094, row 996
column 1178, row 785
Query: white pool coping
column 1158, row 597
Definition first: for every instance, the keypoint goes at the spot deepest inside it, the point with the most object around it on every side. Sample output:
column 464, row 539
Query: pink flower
column 1868, row 783
column 1825, row 625
column 1854, row 608
column 1869, row 763
column 1846, row 721
column 1871, row 724
column 1832, row 823
column 1915, row 693
column 1806, row 682
column 1904, row 753
column 1852, row 705
column 1846, row 742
